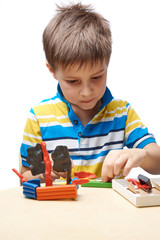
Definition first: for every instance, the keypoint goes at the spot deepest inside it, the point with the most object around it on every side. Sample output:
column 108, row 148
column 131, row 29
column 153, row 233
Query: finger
column 63, row 174
column 127, row 168
column 104, row 178
column 119, row 164
column 72, row 164
column 50, row 158
column 107, row 179
column 54, row 175
column 104, row 171
column 60, row 174
column 108, row 167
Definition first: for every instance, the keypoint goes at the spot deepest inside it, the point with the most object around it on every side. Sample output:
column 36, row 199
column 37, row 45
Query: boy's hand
column 118, row 161
column 57, row 175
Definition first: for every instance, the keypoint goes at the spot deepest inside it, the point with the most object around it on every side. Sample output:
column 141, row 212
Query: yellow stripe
column 53, row 119
column 32, row 127
column 134, row 126
column 31, row 139
column 59, row 109
column 112, row 109
column 96, row 169
column 116, row 103
column 110, row 114
column 132, row 116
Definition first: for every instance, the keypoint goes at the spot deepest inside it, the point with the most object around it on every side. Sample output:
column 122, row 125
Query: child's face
column 83, row 87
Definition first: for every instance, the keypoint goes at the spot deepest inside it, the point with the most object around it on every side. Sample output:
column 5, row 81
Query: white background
column 133, row 74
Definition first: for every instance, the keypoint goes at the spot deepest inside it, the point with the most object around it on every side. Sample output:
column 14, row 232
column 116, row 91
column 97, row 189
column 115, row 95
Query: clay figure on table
column 35, row 159
column 60, row 157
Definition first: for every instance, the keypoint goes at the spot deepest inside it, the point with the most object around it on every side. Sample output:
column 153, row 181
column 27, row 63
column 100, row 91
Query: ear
column 50, row 69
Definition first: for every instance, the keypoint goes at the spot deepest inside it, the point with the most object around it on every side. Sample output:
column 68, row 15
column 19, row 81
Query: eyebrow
column 99, row 72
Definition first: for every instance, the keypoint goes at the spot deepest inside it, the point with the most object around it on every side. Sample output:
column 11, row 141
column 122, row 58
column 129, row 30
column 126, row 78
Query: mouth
column 87, row 101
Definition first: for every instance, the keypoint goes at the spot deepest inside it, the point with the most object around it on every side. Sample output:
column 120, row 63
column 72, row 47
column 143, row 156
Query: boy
column 83, row 115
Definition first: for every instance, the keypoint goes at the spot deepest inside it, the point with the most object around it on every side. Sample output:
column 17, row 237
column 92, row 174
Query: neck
column 85, row 116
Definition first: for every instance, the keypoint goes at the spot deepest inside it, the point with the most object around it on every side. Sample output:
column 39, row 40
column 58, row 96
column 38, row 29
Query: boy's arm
column 26, row 172
column 124, row 160
column 151, row 163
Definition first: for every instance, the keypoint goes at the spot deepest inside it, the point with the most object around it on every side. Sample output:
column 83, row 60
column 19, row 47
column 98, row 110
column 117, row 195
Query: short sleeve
column 136, row 133
column 31, row 136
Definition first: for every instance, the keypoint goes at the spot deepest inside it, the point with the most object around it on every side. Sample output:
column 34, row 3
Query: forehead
column 87, row 68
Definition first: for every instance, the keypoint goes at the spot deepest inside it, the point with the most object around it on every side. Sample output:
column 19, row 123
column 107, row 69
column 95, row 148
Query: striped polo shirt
column 115, row 126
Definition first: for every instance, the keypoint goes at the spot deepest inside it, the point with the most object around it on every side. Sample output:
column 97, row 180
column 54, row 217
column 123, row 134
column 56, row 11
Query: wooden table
column 98, row 213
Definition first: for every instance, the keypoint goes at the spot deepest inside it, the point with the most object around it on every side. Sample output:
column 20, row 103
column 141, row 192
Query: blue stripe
column 24, row 163
column 104, row 127
column 56, row 131
column 135, row 136
column 91, row 130
column 32, row 111
column 92, row 156
column 127, row 105
column 147, row 134
column 146, row 142
column 106, row 134
column 58, row 138
column 23, row 150
column 95, row 148
column 72, row 150
column 49, row 99
column 75, row 138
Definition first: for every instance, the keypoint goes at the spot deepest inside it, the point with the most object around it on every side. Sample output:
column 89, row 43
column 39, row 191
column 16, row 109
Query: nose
column 86, row 90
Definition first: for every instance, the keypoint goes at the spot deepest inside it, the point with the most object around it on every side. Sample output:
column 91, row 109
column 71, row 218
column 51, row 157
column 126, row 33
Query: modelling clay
column 35, row 159
column 61, row 159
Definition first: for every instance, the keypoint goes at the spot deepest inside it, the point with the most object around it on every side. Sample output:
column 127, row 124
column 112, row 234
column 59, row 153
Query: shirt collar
column 60, row 94
column 107, row 98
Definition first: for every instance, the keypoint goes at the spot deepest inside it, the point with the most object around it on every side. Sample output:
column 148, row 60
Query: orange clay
column 56, row 192
column 138, row 184
column 23, row 179
column 48, row 166
column 83, row 174
column 80, row 181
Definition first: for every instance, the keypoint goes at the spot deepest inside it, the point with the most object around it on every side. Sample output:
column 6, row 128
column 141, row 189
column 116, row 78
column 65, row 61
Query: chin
column 87, row 107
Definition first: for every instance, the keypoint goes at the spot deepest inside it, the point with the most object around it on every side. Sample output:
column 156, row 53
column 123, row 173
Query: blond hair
column 77, row 34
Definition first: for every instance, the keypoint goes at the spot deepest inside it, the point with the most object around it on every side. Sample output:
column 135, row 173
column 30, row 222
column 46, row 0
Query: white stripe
column 70, row 143
column 49, row 124
column 32, row 117
column 88, row 143
column 129, row 107
column 32, row 136
column 29, row 143
column 110, row 112
column 97, row 151
column 118, row 108
column 133, row 122
column 52, row 116
column 99, row 141
column 88, row 162
column 24, row 160
column 50, row 101
column 142, row 139
column 127, row 134
column 107, row 119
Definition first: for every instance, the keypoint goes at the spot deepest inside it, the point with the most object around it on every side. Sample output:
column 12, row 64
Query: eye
column 97, row 77
column 72, row 81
